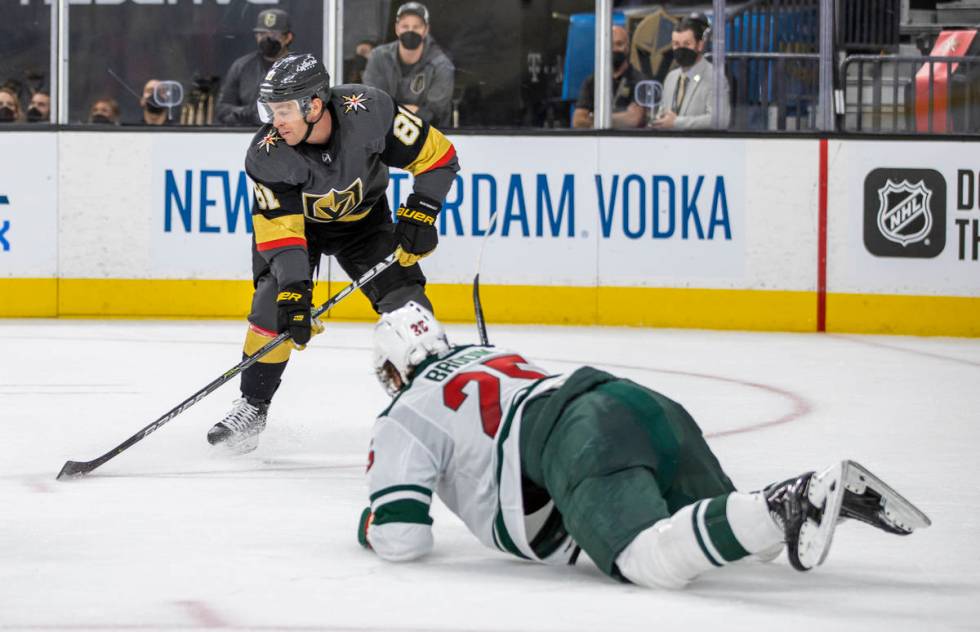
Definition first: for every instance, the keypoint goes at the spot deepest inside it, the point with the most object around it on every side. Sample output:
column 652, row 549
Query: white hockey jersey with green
column 455, row 431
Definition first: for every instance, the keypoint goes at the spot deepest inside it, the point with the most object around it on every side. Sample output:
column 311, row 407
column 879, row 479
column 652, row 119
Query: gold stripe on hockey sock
column 697, row 534
column 720, row 531
column 255, row 341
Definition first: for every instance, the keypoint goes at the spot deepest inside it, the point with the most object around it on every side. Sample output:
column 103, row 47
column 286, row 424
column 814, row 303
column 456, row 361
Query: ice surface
column 169, row 536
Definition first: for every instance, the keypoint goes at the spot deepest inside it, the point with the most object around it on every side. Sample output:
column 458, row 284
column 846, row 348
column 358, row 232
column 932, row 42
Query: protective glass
column 168, row 94
column 115, row 49
column 288, row 111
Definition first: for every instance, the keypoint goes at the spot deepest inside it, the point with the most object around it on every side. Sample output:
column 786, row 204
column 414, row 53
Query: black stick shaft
column 481, row 324
column 79, row 468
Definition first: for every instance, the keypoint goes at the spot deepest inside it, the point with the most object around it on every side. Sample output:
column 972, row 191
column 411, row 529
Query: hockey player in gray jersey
column 538, row 465
column 320, row 170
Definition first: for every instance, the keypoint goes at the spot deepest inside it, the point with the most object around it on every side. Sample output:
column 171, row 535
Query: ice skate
column 810, row 506
column 791, row 508
column 869, row 499
column 239, row 430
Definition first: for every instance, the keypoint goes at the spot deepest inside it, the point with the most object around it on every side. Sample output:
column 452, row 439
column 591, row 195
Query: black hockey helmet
column 297, row 77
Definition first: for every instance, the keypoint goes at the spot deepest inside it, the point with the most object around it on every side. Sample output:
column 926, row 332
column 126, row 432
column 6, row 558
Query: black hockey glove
column 416, row 229
column 294, row 303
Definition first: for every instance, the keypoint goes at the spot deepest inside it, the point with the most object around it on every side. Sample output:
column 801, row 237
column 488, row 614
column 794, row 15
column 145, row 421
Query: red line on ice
column 202, row 614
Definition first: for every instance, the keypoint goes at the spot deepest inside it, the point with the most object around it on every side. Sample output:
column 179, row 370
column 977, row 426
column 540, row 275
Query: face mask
column 410, row 40
column 6, row 115
column 152, row 107
column 270, row 46
column 618, row 57
column 685, row 57
column 34, row 115
column 101, row 119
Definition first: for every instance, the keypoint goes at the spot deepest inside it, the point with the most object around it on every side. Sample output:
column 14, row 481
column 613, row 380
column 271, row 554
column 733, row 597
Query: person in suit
column 689, row 90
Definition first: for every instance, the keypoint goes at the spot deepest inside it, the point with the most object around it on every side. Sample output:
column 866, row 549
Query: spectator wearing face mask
column 39, row 110
column 625, row 111
column 689, row 91
column 153, row 112
column 104, row 111
column 240, row 90
column 10, row 111
column 413, row 69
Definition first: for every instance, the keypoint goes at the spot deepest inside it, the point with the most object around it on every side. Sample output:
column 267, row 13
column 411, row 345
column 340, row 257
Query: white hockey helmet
column 403, row 339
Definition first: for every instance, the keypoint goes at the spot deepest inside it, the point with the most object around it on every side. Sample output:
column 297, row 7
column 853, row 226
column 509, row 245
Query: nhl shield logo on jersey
column 905, row 213
column 336, row 206
column 269, row 141
column 355, row 102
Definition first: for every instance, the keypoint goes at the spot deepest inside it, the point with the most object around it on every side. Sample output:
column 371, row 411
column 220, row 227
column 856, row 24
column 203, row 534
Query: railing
column 912, row 101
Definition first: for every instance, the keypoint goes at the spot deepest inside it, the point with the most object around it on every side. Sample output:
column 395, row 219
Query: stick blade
column 74, row 469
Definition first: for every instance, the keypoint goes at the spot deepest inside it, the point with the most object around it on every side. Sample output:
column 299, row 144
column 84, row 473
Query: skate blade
column 896, row 512
column 236, row 447
column 826, row 491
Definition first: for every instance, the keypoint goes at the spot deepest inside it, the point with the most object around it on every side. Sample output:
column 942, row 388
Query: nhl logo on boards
column 905, row 213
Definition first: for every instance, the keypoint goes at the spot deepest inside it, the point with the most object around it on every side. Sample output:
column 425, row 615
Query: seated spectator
column 413, row 69
column 104, row 111
column 153, row 112
column 240, row 90
column 39, row 111
column 626, row 113
column 10, row 111
column 354, row 66
column 364, row 49
column 689, row 91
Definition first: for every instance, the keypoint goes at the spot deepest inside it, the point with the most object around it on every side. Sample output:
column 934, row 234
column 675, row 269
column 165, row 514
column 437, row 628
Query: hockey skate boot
column 809, row 507
column 239, row 430
column 790, row 507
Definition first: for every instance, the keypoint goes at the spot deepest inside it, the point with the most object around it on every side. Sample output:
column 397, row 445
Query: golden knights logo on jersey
column 336, row 206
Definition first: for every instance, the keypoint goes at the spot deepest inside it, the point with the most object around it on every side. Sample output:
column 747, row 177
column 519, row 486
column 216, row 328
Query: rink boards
column 773, row 234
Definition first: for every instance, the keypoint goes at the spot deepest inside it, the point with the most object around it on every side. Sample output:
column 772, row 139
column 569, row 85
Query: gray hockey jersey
column 337, row 190
column 455, row 431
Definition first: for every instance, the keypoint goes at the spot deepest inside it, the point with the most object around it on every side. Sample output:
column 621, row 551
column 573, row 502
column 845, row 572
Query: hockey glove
column 416, row 229
column 362, row 527
column 294, row 304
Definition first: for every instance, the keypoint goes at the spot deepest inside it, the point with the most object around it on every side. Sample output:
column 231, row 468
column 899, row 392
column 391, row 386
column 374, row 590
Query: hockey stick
column 79, row 468
column 481, row 324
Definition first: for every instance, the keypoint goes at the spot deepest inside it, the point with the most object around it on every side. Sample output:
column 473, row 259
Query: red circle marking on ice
column 801, row 406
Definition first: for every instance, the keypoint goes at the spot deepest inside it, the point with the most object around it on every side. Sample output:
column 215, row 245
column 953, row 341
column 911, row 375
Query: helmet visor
column 285, row 111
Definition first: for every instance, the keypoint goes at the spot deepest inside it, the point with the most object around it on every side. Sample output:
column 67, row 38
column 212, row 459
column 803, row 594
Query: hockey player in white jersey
column 540, row 465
